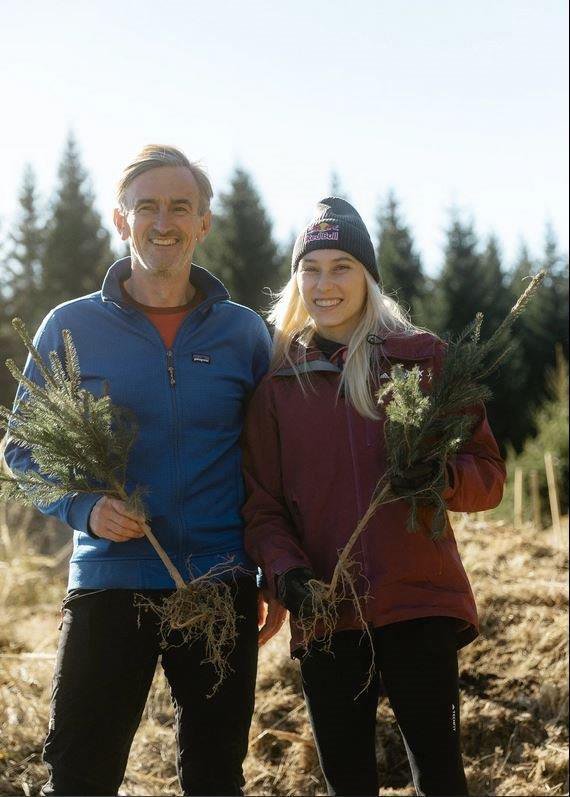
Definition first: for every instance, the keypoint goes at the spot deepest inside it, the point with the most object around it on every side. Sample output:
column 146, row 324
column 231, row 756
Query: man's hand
column 112, row 520
column 270, row 617
column 294, row 593
column 416, row 478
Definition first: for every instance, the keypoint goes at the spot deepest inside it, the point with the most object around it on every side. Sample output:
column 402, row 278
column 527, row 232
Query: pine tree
column 20, row 275
column 509, row 380
column 240, row 248
column 541, row 329
column 461, row 292
column 472, row 281
column 78, row 248
column 23, row 269
column 556, row 297
column 6, row 340
column 399, row 264
column 495, row 296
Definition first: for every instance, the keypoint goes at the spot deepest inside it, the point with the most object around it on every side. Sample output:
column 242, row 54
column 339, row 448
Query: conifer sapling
column 81, row 444
column 421, row 426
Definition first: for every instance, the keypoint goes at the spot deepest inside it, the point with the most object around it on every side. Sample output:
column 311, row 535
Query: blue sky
column 448, row 103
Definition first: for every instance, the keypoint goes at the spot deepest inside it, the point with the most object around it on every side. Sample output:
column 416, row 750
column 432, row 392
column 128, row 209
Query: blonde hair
column 153, row 156
column 293, row 325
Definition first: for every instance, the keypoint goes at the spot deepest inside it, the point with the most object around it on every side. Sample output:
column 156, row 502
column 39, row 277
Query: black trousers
column 106, row 660
column 417, row 661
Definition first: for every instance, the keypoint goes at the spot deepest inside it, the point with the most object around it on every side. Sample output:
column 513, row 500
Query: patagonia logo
column 201, row 358
column 322, row 231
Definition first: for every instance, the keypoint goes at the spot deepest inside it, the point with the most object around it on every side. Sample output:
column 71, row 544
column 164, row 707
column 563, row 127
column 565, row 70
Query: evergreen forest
column 60, row 248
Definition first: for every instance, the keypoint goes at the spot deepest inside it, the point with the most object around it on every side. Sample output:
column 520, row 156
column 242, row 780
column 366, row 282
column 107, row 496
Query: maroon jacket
column 311, row 465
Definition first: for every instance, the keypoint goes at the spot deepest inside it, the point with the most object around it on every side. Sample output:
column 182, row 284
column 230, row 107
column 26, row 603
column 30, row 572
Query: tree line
column 62, row 251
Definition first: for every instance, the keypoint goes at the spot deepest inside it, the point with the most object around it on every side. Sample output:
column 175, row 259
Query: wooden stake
column 5, row 537
column 553, row 497
column 518, row 498
column 535, row 498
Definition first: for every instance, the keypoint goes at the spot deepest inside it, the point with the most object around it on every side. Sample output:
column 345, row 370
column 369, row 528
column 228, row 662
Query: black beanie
column 336, row 225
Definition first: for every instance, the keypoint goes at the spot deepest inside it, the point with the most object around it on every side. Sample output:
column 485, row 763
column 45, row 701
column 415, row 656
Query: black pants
column 105, row 666
column 417, row 661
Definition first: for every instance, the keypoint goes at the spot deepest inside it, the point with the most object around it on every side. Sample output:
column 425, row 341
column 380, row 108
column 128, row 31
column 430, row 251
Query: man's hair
column 153, row 156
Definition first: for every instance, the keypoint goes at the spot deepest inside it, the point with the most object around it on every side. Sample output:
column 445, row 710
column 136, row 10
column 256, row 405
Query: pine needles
column 80, row 444
column 421, row 426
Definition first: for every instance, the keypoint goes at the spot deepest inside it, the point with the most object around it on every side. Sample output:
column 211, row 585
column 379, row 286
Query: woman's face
column 332, row 285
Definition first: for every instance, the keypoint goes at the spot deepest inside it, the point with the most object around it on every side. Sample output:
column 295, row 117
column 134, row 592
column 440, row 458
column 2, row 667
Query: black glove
column 293, row 592
column 416, row 478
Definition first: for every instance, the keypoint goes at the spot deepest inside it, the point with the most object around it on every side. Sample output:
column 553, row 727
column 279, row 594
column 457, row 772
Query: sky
column 449, row 103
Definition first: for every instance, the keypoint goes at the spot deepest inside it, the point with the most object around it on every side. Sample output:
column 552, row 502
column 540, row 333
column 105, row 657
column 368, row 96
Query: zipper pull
column 170, row 368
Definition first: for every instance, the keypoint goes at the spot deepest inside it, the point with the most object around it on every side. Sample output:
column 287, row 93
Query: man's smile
column 164, row 241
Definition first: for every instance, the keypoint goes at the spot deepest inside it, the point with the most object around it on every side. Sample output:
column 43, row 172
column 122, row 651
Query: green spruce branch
column 79, row 444
column 433, row 426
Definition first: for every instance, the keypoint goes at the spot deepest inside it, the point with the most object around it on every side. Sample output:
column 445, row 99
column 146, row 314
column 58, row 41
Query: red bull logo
column 322, row 231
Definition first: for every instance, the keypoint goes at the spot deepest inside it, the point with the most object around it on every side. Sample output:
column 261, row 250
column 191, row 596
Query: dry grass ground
column 514, row 680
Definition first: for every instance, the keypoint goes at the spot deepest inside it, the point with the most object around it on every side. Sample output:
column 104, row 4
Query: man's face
column 161, row 220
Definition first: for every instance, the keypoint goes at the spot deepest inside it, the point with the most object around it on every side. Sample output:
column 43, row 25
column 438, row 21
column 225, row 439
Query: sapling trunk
column 344, row 557
column 122, row 494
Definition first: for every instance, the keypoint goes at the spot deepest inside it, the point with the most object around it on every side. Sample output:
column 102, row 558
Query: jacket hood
column 392, row 346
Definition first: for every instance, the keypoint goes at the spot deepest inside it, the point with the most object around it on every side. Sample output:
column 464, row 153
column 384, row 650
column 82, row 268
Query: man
column 165, row 339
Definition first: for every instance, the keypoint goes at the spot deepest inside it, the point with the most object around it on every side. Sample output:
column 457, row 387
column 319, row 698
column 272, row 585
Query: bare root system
column 203, row 610
column 320, row 622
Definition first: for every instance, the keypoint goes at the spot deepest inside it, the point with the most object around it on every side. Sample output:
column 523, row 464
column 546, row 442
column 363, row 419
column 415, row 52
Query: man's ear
column 121, row 223
column 206, row 223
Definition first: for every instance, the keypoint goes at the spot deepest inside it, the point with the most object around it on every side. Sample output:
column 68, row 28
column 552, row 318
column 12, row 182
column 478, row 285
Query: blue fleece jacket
column 189, row 403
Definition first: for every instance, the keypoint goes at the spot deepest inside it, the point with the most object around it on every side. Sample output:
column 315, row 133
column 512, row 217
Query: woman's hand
column 415, row 479
column 294, row 592
column 270, row 617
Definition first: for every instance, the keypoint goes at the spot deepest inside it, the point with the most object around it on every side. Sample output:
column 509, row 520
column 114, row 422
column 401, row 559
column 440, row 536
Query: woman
column 314, row 452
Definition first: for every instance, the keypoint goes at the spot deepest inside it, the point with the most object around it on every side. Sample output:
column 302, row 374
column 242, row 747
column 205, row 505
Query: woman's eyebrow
column 345, row 258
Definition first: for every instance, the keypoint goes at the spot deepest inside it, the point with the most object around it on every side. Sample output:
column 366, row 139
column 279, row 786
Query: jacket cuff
column 279, row 567
column 80, row 510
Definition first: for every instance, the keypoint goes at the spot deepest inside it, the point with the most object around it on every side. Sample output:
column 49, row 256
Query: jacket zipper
column 170, row 368
column 171, row 371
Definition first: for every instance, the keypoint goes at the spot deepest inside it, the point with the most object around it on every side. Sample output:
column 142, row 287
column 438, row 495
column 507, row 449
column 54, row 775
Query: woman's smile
column 327, row 303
